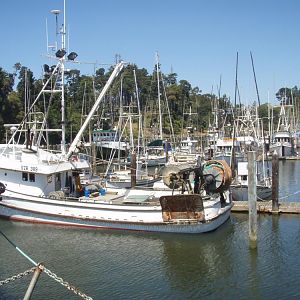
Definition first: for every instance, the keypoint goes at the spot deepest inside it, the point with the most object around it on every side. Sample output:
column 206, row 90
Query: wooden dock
column 266, row 207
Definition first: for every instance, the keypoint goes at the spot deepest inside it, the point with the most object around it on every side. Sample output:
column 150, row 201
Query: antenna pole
column 63, row 117
column 61, row 72
column 64, row 28
column 47, row 38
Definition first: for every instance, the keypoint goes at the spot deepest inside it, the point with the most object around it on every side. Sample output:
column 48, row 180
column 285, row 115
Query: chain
column 66, row 284
column 20, row 275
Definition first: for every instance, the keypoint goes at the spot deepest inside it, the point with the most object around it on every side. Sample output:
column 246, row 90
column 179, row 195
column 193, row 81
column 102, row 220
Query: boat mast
column 159, row 102
column 140, row 133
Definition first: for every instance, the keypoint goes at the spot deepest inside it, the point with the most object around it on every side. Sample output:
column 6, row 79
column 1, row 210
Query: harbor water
column 135, row 265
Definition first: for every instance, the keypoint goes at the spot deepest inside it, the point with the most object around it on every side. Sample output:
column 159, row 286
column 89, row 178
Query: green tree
column 6, row 87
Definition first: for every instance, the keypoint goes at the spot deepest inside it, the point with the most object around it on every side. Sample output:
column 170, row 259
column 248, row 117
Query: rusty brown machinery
column 213, row 176
column 217, row 176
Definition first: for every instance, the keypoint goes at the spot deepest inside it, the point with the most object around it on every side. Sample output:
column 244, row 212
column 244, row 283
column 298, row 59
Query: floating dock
column 266, row 207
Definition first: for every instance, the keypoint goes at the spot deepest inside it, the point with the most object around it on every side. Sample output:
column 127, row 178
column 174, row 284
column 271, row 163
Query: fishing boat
column 282, row 140
column 122, row 178
column 156, row 154
column 108, row 140
column 239, row 185
column 173, row 210
column 42, row 186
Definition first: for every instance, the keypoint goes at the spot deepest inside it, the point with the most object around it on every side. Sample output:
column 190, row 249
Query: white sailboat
column 41, row 186
column 156, row 151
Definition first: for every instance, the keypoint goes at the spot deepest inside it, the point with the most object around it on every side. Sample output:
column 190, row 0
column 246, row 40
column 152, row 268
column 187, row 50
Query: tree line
column 186, row 106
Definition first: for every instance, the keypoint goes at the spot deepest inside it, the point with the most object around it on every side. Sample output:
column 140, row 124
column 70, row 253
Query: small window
column 25, row 176
column 31, row 177
column 57, row 177
column 244, row 177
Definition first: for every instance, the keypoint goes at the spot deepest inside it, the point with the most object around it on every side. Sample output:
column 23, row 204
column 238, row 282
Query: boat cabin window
column 25, row 176
column 244, row 177
column 31, row 177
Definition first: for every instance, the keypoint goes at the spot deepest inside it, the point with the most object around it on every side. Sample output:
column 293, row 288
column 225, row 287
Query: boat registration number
column 29, row 168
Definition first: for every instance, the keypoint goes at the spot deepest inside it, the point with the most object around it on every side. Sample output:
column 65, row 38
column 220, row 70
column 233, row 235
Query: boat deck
column 122, row 199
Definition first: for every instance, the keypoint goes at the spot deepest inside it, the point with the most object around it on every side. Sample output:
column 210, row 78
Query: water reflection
column 289, row 181
column 122, row 265
column 191, row 260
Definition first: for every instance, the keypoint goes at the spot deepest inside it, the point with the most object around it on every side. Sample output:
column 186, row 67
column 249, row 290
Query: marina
column 217, row 265
column 129, row 184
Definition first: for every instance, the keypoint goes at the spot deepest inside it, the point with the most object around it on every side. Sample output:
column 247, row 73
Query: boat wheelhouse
column 109, row 139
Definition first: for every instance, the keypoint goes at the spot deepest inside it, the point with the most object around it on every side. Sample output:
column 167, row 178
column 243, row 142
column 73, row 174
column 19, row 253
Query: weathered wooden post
column 94, row 154
column 133, row 169
column 166, row 149
column 35, row 277
column 275, row 182
column 252, row 198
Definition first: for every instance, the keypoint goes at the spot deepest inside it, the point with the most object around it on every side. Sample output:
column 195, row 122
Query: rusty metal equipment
column 178, row 208
column 175, row 175
column 216, row 175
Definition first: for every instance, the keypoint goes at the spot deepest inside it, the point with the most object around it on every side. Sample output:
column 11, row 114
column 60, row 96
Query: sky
column 197, row 39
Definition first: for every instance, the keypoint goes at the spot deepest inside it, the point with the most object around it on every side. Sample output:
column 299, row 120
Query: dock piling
column 252, row 198
column 133, row 169
column 275, row 182
column 166, row 150
column 33, row 281
column 94, row 155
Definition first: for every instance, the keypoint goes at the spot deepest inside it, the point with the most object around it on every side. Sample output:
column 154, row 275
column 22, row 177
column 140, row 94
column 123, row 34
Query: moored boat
column 239, row 186
column 42, row 186
column 177, row 210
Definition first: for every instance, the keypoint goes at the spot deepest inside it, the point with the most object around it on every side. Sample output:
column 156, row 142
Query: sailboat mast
column 158, row 93
column 139, row 114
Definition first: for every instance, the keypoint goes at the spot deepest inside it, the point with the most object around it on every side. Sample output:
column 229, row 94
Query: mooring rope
column 19, row 250
column 284, row 197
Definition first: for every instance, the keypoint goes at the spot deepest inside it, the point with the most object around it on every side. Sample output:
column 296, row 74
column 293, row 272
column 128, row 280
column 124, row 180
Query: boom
column 114, row 74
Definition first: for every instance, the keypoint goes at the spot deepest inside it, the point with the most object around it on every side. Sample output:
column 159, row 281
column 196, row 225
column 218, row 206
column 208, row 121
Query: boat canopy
column 156, row 143
column 160, row 143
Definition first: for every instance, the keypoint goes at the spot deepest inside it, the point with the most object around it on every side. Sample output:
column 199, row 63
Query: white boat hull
column 107, row 216
column 154, row 162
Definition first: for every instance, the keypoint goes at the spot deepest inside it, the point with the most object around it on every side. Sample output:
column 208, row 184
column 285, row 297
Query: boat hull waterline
column 100, row 216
